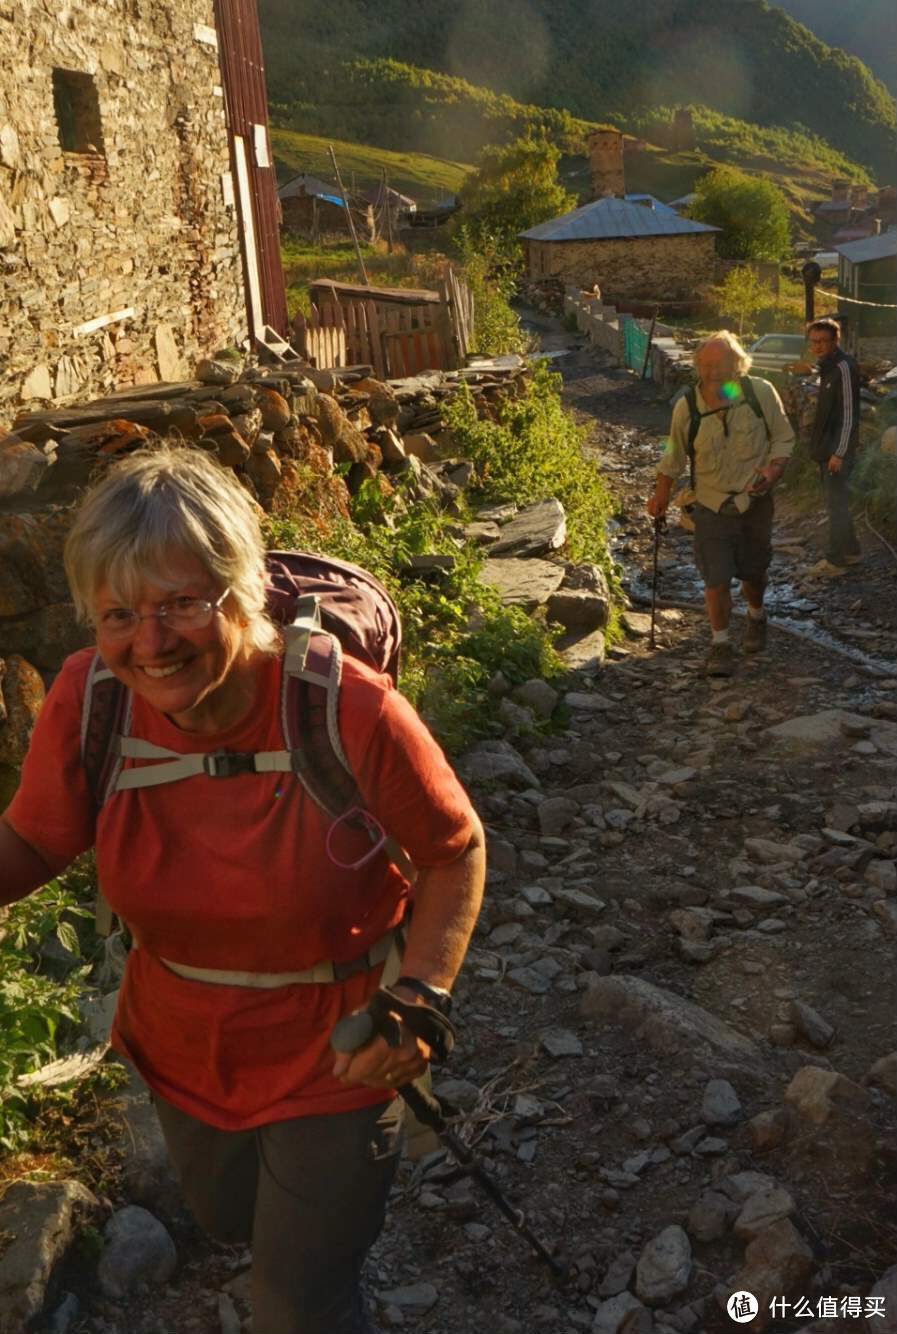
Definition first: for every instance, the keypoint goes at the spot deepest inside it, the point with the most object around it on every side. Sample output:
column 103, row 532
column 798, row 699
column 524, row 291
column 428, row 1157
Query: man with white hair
column 731, row 429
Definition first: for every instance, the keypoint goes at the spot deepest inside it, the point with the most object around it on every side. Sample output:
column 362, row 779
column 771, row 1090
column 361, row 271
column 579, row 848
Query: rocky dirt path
column 676, row 1045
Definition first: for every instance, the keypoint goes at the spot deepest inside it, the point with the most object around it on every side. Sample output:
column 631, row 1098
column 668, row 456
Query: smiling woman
column 254, row 938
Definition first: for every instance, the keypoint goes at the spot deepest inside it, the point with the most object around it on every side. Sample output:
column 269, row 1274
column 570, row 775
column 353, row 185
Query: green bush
column 36, row 1005
column 872, row 487
column 533, row 450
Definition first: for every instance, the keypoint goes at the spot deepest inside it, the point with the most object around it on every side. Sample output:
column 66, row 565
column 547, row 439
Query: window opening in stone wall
column 77, row 108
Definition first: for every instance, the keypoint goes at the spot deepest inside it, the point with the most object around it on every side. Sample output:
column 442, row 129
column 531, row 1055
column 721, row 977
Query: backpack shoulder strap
column 105, row 715
column 749, row 394
column 694, row 424
column 310, row 686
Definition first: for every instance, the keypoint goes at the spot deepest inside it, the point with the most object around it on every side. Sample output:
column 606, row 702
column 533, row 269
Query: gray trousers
column 308, row 1195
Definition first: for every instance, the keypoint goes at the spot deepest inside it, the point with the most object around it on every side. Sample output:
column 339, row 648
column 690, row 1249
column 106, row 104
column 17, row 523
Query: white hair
column 743, row 358
column 150, row 509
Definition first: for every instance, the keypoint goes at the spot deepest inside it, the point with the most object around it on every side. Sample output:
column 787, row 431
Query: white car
column 777, row 351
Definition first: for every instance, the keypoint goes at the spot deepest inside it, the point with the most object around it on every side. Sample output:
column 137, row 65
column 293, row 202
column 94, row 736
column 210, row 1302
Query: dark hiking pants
column 842, row 540
column 308, row 1195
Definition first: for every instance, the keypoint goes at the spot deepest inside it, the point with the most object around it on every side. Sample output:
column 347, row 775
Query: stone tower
column 605, row 148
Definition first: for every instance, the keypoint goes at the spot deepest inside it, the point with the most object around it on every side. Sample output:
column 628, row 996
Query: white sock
column 756, row 613
column 721, row 636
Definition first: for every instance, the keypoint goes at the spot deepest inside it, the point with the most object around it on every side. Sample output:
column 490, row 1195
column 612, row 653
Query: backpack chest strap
column 175, row 766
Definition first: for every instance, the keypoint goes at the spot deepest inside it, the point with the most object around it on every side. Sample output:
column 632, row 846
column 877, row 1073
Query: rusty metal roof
column 610, row 219
column 412, row 296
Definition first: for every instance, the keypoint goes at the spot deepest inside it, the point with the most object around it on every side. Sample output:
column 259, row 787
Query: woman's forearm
column 446, row 905
column 22, row 867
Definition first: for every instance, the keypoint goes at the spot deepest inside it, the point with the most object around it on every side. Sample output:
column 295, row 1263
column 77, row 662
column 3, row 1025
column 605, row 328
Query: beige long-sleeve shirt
column 730, row 446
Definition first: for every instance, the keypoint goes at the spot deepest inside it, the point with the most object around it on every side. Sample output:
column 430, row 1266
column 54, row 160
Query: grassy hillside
column 424, row 178
column 404, row 107
column 800, row 164
column 590, row 58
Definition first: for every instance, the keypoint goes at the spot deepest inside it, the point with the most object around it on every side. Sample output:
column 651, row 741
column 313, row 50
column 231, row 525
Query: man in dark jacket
column 833, row 442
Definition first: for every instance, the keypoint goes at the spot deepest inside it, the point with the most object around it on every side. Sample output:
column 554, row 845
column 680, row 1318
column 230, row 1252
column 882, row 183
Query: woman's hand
column 380, row 1066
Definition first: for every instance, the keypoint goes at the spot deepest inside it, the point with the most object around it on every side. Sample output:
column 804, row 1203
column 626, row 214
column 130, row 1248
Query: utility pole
column 339, row 181
column 388, row 210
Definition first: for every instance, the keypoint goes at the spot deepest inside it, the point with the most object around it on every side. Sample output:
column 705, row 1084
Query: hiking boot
column 754, row 638
column 825, row 569
column 720, row 661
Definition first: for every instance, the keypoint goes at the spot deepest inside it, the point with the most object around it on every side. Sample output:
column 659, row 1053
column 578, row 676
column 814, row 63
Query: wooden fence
column 398, row 331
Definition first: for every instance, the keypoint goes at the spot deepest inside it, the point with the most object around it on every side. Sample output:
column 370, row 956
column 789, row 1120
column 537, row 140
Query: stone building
column 605, row 151
column 867, row 273
column 632, row 252
column 133, row 232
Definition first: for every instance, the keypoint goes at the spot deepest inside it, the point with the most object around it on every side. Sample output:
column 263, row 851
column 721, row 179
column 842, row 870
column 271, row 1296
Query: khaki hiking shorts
column 730, row 545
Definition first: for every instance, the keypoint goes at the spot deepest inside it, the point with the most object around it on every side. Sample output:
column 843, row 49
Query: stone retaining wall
column 670, row 361
column 118, row 233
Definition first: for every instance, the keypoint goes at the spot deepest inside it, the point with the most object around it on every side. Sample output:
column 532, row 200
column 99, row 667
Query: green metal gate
column 635, row 346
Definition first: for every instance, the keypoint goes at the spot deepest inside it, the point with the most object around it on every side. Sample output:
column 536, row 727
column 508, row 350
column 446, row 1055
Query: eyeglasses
column 182, row 613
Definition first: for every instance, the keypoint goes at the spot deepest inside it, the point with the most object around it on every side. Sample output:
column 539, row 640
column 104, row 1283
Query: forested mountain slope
column 867, row 30
column 595, row 58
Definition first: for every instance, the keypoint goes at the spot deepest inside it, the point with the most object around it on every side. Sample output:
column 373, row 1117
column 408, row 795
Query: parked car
column 777, row 351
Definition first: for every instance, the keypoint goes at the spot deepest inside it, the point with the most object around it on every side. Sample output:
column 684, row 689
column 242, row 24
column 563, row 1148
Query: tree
column 751, row 211
column 514, row 187
column 741, row 294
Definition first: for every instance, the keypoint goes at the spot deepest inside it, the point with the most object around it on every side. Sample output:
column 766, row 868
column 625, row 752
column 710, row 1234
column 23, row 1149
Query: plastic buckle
column 227, row 764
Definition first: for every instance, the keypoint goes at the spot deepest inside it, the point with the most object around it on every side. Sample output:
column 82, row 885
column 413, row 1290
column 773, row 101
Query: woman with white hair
column 732, row 431
column 250, row 939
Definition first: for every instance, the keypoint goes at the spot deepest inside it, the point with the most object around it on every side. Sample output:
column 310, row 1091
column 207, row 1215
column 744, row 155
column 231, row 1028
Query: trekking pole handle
column 353, row 1031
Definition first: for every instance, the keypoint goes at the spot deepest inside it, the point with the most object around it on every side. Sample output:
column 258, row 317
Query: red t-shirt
column 233, row 874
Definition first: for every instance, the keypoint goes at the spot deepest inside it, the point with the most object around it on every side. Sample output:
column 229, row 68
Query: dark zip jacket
column 836, row 426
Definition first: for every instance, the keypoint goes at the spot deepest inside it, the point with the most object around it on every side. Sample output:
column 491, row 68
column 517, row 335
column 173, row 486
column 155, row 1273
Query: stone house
column 633, row 247
column 310, row 207
column 632, row 252
column 137, row 203
column 867, row 272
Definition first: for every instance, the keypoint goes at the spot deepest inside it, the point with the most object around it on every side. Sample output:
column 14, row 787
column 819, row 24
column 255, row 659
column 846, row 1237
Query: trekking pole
column 659, row 525
column 356, row 1030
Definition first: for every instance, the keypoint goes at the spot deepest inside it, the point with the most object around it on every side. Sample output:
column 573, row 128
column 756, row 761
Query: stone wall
column 653, row 267
column 118, row 234
column 881, row 348
column 669, row 365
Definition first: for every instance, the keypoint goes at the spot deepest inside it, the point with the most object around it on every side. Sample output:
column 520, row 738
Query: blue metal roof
column 607, row 219
column 873, row 247
column 649, row 201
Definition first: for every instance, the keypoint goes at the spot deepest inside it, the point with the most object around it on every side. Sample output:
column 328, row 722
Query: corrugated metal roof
column 606, row 219
column 874, row 247
column 304, row 184
column 406, row 296
column 649, row 201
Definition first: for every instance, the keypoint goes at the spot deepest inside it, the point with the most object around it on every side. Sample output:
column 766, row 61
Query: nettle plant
column 38, row 992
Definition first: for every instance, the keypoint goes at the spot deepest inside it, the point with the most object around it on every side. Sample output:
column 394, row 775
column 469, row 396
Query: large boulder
column 23, row 694
column 668, row 1023
column 39, row 1223
column 522, row 583
column 536, row 529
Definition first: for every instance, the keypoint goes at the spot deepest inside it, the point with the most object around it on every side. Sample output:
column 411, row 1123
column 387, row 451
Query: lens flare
column 731, row 391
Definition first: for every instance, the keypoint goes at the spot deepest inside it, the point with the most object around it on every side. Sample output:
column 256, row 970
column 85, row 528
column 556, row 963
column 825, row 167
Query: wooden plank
column 376, row 341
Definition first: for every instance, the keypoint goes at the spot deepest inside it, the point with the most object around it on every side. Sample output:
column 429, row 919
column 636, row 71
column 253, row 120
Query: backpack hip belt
column 388, row 950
